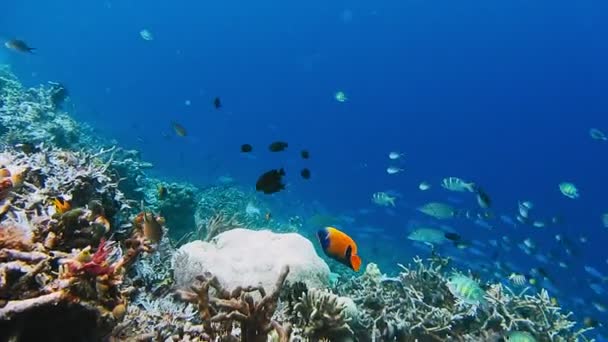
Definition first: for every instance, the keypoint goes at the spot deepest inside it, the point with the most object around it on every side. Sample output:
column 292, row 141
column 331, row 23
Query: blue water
column 499, row 92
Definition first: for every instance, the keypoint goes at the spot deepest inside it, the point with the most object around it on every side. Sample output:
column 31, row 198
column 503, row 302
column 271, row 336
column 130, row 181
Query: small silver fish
column 597, row 134
column 395, row 155
column 424, row 186
column 391, row 170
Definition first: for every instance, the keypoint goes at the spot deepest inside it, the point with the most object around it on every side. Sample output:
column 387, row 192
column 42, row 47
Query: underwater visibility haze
column 397, row 165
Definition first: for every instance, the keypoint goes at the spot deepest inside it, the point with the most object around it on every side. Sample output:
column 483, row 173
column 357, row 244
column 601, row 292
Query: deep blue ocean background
column 502, row 93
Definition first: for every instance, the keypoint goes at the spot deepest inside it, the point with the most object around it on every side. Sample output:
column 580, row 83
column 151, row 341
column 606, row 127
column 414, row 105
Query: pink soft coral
column 99, row 264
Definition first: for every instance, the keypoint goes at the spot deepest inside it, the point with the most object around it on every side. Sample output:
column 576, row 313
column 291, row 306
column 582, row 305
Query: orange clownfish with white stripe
column 339, row 246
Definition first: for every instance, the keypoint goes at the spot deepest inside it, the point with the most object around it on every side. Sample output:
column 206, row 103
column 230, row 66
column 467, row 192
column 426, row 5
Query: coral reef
column 33, row 116
column 85, row 256
column 55, row 258
column 426, row 303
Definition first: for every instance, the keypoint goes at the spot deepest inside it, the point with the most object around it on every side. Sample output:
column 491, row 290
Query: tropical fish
column 246, row 148
column 466, row 289
column 430, row 236
column 438, row 210
column 424, row 186
column 568, row 190
column 340, row 96
column 452, row 236
column 161, row 192
column 305, row 154
column 61, row 205
column 597, row 134
column 152, row 229
column 340, row 247
column 179, row 129
column 483, row 199
column 146, row 35
column 271, row 181
column 457, row 184
column 517, row 279
column 383, row 199
column 395, row 155
column 305, row 173
column 277, row 146
column 19, row 45
column 217, row 103
column 391, row 170
column 268, row 216
column 102, row 221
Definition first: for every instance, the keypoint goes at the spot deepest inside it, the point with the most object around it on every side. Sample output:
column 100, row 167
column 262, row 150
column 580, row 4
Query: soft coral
column 99, row 264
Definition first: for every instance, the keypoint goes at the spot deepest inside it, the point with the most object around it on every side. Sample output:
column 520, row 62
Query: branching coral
column 322, row 314
column 427, row 303
column 227, row 308
column 32, row 115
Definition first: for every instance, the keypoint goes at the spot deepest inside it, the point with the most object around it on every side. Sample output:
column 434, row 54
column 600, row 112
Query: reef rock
column 243, row 257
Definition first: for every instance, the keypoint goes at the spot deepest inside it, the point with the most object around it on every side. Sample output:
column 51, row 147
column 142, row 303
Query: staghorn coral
column 420, row 304
column 160, row 319
column 229, row 308
column 322, row 314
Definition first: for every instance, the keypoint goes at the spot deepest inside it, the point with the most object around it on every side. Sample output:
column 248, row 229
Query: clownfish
column 339, row 246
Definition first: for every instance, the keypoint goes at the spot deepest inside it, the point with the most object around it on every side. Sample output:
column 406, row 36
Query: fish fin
column 323, row 235
column 31, row 50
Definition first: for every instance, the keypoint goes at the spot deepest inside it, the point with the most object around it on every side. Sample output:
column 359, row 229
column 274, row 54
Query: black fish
column 452, row 236
column 217, row 103
column 27, row 147
column 305, row 173
column 305, row 154
column 19, row 45
column 270, row 182
column 246, row 148
column 277, row 146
